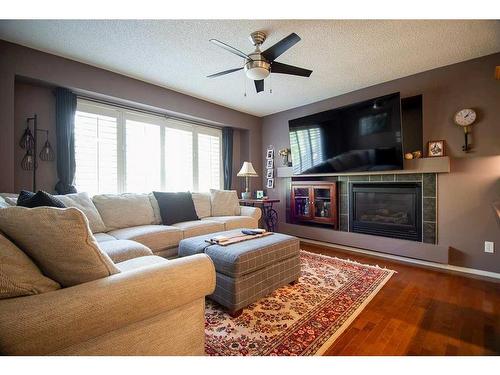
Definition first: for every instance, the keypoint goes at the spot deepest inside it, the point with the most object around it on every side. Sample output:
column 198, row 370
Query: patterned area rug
column 303, row 319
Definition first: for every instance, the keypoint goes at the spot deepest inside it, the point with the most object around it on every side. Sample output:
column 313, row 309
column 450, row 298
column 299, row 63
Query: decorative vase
column 285, row 160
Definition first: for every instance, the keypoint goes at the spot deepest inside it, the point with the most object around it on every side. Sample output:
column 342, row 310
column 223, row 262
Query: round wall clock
column 465, row 117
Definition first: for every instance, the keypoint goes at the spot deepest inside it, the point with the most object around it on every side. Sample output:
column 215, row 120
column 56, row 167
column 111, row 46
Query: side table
column 269, row 214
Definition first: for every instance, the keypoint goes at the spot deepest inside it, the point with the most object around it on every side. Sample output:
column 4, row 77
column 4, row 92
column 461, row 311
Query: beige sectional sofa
column 136, row 217
column 153, row 306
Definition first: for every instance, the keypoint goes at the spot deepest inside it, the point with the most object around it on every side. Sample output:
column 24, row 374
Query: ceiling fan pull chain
column 245, row 83
column 270, row 85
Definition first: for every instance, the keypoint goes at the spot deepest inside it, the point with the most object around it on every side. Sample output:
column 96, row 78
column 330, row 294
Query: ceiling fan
column 258, row 65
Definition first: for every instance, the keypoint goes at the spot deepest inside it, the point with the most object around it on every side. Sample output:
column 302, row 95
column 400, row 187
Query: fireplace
column 392, row 209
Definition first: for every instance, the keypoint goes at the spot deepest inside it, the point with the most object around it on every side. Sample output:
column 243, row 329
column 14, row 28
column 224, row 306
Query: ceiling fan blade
column 223, row 73
column 281, row 47
column 259, row 85
column 227, row 47
column 277, row 67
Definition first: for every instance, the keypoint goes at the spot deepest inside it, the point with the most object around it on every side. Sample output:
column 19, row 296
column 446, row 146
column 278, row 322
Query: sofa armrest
column 52, row 321
column 254, row 212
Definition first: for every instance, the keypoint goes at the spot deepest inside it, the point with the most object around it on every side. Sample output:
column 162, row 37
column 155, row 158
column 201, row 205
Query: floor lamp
column 29, row 142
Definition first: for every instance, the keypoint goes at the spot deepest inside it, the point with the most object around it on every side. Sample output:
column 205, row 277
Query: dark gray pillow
column 40, row 199
column 175, row 207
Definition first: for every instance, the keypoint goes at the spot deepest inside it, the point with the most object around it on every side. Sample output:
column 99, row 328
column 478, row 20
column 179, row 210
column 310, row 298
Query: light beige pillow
column 3, row 203
column 124, row 210
column 83, row 202
column 19, row 276
column 59, row 241
column 224, row 202
column 202, row 204
column 156, row 208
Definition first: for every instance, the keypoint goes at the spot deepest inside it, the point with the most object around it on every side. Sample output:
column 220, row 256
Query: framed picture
column 436, row 148
column 269, row 163
column 270, row 154
column 270, row 173
column 270, row 183
column 259, row 194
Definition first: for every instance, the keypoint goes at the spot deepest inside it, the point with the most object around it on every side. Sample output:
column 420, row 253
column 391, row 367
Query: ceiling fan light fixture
column 257, row 69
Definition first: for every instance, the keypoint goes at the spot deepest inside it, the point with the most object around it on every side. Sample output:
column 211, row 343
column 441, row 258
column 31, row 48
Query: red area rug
column 303, row 319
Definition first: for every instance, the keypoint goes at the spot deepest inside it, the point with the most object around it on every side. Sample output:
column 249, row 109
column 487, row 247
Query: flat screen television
column 359, row 137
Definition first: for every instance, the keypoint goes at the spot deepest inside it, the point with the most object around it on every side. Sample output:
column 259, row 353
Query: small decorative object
column 269, row 163
column 247, row 170
column 270, row 183
column 417, row 154
column 284, row 152
column 270, row 153
column 435, row 148
column 408, row 156
column 29, row 142
column 270, row 173
column 259, row 194
column 465, row 118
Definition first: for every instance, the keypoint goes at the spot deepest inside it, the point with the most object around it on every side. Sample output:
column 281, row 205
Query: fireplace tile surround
column 428, row 181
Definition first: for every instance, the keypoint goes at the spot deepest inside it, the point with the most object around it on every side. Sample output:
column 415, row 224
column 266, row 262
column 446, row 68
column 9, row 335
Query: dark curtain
column 65, row 134
column 227, row 156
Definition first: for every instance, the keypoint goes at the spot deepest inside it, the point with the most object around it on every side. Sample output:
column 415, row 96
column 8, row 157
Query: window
column 118, row 150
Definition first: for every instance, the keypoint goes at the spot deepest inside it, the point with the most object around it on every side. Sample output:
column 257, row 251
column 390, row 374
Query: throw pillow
column 3, row 203
column 83, row 202
column 224, row 202
column 175, row 207
column 59, row 241
column 38, row 199
column 124, row 210
column 19, row 276
column 202, row 204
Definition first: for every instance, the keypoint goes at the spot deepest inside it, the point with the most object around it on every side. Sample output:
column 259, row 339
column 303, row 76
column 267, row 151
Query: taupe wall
column 29, row 64
column 465, row 215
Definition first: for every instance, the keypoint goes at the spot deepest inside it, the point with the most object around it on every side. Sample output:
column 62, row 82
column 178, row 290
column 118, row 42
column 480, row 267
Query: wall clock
column 465, row 118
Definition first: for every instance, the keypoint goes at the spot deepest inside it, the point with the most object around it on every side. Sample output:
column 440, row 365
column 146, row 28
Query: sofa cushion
column 199, row 227
column 234, row 222
column 202, row 204
column 101, row 237
column 124, row 210
column 122, row 250
column 59, row 241
column 175, row 207
column 133, row 264
column 38, row 199
column 156, row 237
column 224, row 202
column 19, row 276
column 83, row 202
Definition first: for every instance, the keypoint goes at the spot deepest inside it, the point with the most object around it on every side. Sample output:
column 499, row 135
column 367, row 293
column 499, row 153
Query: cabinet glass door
column 322, row 203
column 301, row 201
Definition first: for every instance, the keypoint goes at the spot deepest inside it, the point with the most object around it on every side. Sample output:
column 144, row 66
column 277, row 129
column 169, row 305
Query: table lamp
column 246, row 171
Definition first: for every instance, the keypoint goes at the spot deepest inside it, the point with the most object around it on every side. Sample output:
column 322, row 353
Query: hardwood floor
column 422, row 312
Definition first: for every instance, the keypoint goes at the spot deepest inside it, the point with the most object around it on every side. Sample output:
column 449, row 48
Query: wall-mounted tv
column 359, row 137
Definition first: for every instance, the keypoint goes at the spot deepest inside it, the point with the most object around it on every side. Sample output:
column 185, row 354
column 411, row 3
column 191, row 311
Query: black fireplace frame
column 405, row 232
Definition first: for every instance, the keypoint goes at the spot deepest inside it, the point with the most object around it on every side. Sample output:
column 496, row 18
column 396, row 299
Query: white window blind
column 120, row 150
column 96, row 152
column 143, row 156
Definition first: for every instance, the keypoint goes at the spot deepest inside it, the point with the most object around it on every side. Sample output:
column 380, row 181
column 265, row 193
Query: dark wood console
column 314, row 202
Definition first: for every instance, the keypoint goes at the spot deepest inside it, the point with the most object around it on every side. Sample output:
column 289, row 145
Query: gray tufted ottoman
column 249, row 270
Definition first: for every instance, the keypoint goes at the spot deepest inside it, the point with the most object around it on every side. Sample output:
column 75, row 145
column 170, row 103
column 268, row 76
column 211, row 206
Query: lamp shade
column 247, row 170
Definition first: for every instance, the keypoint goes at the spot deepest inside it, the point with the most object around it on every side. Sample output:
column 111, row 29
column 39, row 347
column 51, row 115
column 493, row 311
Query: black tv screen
column 360, row 137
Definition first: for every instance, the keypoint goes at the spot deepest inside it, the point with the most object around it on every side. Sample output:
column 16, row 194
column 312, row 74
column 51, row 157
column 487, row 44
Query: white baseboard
column 448, row 267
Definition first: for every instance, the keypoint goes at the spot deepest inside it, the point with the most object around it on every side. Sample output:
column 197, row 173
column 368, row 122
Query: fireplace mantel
column 423, row 165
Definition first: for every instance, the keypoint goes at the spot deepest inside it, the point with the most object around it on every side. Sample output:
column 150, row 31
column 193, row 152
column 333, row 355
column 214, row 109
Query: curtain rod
column 149, row 112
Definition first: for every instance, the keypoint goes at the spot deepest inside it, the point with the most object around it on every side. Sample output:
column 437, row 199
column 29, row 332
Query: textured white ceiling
column 344, row 55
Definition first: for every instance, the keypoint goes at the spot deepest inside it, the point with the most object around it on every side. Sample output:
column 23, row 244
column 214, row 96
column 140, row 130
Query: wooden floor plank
column 422, row 311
